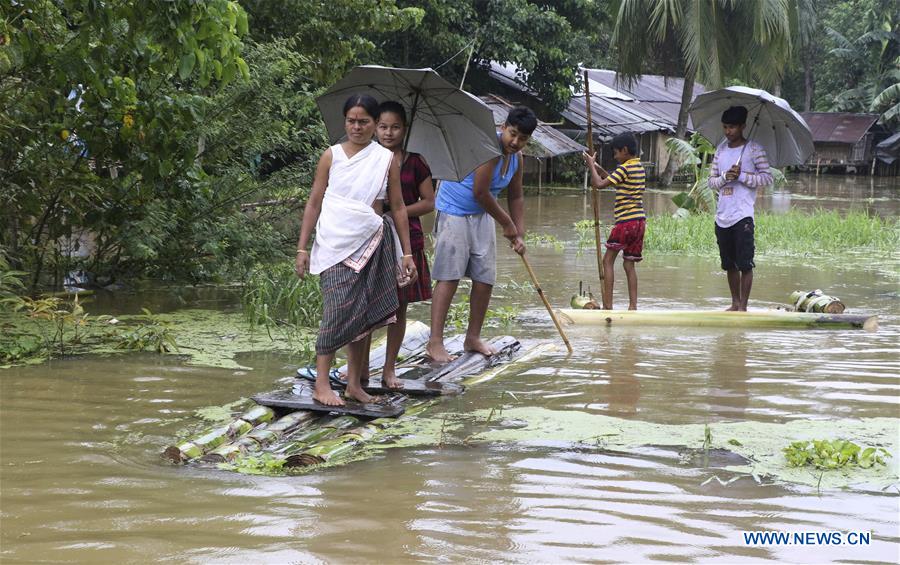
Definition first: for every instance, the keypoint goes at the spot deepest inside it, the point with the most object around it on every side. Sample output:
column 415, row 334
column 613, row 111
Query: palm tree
column 708, row 40
column 878, row 89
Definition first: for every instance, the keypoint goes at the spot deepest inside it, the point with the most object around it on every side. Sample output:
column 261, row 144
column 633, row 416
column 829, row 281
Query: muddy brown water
column 81, row 479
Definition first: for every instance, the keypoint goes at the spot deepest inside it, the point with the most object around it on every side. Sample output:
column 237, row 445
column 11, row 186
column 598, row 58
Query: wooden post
column 595, row 198
column 540, row 174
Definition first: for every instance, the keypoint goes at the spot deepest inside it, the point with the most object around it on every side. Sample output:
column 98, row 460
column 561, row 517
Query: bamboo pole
column 595, row 198
column 540, row 292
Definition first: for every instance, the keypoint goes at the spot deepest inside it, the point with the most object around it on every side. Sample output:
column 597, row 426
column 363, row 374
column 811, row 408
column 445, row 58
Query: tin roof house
column 646, row 107
column 842, row 138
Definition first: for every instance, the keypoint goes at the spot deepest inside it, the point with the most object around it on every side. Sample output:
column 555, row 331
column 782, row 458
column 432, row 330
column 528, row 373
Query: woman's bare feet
column 438, row 352
column 357, row 393
column 389, row 379
column 324, row 395
column 476, row 344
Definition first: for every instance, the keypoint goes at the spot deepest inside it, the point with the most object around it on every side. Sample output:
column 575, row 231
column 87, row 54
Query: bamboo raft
column 717, row 318
column 302, row 438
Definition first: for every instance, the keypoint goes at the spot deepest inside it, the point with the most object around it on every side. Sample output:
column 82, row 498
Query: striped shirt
column 628, row 178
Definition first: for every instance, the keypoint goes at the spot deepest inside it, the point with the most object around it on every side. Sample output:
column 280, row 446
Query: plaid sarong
column 356, row 303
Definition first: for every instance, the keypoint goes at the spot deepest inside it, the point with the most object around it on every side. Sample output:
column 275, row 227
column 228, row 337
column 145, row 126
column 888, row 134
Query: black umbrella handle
column 412, row 120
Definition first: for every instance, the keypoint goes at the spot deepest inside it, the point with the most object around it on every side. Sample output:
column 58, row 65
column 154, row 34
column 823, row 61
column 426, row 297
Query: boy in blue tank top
column 465, row 237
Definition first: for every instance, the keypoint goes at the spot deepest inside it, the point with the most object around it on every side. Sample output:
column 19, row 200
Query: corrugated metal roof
column 838, row 127
column 650, row 103
column 545, row 142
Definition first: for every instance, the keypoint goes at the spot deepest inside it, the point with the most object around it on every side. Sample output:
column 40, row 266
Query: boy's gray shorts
column 465, row 246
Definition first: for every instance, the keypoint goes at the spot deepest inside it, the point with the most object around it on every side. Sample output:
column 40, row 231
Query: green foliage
column 546, row 41
column 543, row 240
column 458, row 315
column 833, row 454
column 848, row 56
column 261, row 464
column 275, row 297
column 823, row 233
column 334, row 35
column 711, row 41
column 11, row 284
column 695, row 156
column 154, row 334
column 101, row 105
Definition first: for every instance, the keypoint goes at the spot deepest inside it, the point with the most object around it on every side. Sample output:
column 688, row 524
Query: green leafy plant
column 262, row 464
column 154, row 335
column 833, row 454
column 274, row 297
column 458, row 315
column 543, row 240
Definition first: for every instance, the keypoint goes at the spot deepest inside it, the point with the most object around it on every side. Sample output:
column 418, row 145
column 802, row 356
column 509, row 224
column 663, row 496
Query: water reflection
column 624, row 386
column 728, row 391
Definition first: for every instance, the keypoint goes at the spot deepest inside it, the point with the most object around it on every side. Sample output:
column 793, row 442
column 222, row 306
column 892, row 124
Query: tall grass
column 793, row 233
column 275, row 297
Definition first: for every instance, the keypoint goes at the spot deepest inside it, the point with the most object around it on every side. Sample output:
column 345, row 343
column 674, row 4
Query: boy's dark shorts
column 736, row 245
column 629, row 238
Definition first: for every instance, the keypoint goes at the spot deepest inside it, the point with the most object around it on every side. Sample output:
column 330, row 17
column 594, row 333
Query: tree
column 99, row 103
column 709, row 41
column 872, row 63
column 547, row 41
column 334, row 35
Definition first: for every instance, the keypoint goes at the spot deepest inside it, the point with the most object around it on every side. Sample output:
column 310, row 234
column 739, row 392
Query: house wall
column 831, row 152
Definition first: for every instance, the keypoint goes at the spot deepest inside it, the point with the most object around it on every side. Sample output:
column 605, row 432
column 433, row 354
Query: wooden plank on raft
column 412, row 387
column 300, row 398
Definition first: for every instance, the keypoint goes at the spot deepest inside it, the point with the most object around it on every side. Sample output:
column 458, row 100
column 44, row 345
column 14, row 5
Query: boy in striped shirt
column 738, row 169
column 628, row 233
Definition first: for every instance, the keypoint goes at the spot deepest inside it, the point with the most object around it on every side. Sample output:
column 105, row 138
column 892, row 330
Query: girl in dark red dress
column 418, row 195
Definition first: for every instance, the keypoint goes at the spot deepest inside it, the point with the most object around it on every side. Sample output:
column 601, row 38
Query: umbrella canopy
column 771, row 122
column 451, row 128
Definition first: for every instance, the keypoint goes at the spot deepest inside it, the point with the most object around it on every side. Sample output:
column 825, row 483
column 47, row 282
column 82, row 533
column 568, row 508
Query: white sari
column 347, row 224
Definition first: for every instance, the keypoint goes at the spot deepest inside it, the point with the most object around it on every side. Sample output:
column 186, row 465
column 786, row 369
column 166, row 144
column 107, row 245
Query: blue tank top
column 458, row 198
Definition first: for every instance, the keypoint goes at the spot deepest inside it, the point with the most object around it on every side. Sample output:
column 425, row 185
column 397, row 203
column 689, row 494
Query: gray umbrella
column 451, row 128
column 771, row 122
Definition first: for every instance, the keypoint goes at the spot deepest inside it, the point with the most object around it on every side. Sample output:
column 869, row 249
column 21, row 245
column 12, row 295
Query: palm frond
column 888, row 96
column 892, row 114
column 682, row 152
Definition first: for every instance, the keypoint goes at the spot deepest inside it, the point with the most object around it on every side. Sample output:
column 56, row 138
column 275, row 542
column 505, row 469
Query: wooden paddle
column 595, row 199
column 540, row 292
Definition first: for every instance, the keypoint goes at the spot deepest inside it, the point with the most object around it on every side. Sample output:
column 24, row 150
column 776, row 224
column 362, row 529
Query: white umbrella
column 451, row 128
column 771, row 122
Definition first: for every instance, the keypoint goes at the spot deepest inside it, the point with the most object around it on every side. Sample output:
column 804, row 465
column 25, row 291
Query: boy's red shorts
column 628, row 237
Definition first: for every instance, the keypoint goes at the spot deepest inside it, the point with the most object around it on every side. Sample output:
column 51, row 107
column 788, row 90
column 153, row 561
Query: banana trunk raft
column 717, row 318
column 263, row 439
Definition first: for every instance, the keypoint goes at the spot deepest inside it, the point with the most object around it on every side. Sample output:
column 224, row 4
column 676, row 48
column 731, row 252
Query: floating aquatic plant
column 833, row 454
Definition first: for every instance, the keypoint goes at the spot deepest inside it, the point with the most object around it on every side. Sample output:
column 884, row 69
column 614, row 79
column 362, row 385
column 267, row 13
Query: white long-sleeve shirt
column 738, row 197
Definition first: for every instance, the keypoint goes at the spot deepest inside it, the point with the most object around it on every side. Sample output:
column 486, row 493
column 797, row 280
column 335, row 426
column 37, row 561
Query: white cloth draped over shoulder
column 347, row 221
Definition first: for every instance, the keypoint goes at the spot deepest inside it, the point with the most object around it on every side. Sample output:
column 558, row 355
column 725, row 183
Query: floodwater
column 81, row 479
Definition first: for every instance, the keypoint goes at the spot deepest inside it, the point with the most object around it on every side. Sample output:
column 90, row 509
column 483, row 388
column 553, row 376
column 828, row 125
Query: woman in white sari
column 355, row 252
